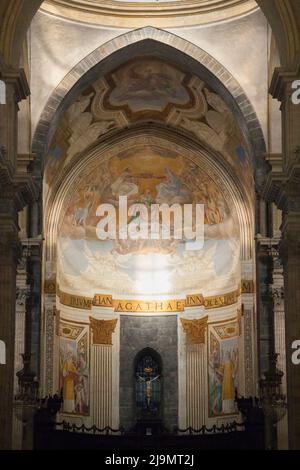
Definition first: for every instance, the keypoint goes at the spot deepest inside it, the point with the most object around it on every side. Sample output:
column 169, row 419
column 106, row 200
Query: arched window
column 148, row 382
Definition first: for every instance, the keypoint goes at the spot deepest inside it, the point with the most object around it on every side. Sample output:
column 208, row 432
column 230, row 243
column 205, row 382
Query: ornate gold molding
column 103, row 300
column 75, row 301
column 137, row 306
column 149, row 306
column 247, row 286
column 217, row 301
column 68, row 330
column 50, row 286
column 102, row 330
column 194, row 300
column 195, row 330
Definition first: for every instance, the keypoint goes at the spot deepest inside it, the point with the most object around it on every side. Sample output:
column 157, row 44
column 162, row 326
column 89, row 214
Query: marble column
column 284, row 190
column 9, row 250
column 15, row 191
column 290, row 251
column 21, row 296
column 265, row 316
column 279, row 325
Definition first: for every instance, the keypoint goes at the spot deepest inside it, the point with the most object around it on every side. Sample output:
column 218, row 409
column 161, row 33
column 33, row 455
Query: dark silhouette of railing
column 72, row 427
column 223, row 429
column 51, row 434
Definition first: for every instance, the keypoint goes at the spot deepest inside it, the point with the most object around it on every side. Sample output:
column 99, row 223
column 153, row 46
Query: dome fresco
column 140, row 91
column 147, row 175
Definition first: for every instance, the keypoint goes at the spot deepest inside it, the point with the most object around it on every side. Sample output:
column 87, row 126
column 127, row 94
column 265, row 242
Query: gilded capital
column 102, row 330
column 195, row 330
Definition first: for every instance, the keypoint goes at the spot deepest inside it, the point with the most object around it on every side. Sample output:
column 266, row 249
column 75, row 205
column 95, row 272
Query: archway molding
column 130, row 44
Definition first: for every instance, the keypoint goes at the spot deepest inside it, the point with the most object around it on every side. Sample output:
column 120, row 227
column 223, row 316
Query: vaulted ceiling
column 138, row 13
column 16, row 17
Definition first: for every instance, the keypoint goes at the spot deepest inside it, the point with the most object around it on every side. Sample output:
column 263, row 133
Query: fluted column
column 265, row 318
column 102, row 385
column 196, row 381
column 196, row 371
column 101, row 369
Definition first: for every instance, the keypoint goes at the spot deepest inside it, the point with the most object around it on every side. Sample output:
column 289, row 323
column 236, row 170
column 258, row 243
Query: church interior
column 165, row 103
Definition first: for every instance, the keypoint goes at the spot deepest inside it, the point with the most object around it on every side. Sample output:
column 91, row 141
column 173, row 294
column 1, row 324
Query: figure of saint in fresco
column 148, row 388
column 172, row 190
column 122, row 186
column 80, row 395
column 227, row 372
column 215, row 380
column 69, row 374
column 148, row 84
column 81, row 385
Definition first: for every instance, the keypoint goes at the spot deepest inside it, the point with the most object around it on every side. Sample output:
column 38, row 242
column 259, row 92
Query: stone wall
column 160, row 334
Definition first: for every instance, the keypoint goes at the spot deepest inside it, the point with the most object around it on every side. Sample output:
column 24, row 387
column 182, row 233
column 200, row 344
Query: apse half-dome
column 146, row 175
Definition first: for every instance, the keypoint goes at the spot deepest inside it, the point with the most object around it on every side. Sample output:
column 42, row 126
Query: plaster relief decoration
column 222, row 368
column 74, row 372
column 146, row 174
column 143, row 90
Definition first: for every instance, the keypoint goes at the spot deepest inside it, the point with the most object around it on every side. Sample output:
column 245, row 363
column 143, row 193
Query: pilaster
column 283, row 189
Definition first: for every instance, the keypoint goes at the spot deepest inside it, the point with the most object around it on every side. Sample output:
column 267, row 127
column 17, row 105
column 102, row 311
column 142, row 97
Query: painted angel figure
column 148, row 388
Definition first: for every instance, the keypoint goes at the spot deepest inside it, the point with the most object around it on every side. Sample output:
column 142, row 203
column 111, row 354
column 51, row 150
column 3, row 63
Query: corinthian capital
column 195, row 330
column 102, row 330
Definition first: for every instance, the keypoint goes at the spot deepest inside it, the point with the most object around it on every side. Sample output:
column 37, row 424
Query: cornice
column 281, row 78
column 137, row 14
column 282, row 184
column 18, row 79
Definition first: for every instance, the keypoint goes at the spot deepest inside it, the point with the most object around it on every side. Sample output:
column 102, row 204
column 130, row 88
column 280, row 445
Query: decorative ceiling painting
column 147, row 85
column 148, row 175
column 149, row 90
column 143, row 91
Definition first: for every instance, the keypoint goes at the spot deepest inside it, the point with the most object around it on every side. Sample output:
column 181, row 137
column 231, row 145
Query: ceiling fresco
column 149, row 90
column 148, row 175
column 141, row 91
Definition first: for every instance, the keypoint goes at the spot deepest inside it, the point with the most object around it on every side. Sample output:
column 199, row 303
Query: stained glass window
column 148, row 386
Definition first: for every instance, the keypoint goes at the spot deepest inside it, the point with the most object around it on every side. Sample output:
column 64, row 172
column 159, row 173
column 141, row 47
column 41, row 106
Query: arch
column 151, row 352
column 153, row 376
column 284, row 18
column 16, row 18
column 97, row 59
